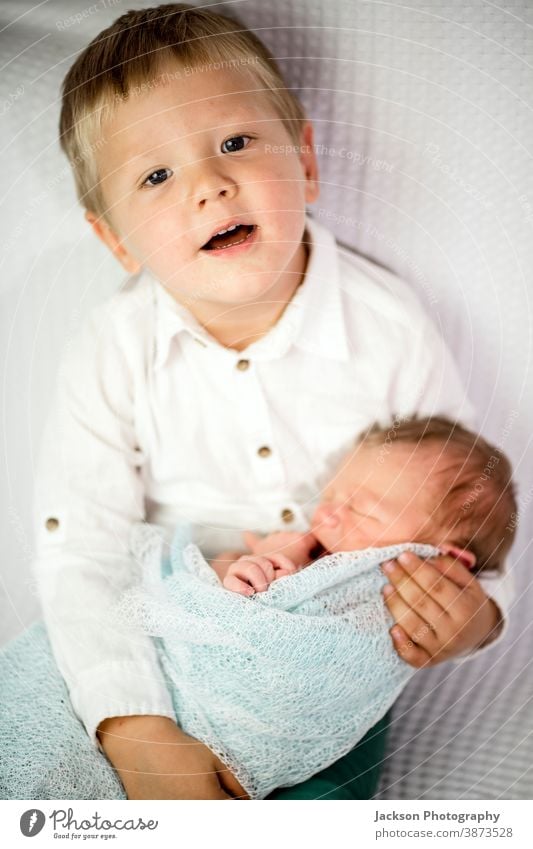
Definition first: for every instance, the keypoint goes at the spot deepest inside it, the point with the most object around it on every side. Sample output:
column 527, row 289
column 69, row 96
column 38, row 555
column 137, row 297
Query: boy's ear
column 467, row 558
column 309, row 162
column 113, row 242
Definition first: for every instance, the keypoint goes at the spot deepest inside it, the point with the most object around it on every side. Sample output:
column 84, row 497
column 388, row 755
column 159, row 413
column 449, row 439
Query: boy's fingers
column 421, row 631
column 452, row 569
column 409, row 651
column 423, row 588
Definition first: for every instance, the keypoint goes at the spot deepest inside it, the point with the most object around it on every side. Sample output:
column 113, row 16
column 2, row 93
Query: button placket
column 255, row 419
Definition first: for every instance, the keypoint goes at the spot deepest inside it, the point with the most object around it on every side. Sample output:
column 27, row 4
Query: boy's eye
column 234, row 144
column 158, row 176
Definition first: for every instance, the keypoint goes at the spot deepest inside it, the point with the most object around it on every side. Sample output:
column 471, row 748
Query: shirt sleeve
column 88, row 492
column 428, row 383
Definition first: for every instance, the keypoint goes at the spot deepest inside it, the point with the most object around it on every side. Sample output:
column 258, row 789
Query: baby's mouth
column 233, row 237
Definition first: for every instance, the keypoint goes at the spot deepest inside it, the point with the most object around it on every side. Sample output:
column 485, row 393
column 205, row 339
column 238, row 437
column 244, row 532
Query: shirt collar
column 312, row 321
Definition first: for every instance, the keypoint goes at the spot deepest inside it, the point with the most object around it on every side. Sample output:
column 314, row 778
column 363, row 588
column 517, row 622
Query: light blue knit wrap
column 281, row 684
column 278, row 685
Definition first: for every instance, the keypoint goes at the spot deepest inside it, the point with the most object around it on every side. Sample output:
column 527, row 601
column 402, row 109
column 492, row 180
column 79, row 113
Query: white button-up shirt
column 154, row 419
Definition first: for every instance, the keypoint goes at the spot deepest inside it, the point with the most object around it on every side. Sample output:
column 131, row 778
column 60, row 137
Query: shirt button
column 52, row 524
column 287, row 515
column 264, row 451
column 242, row 365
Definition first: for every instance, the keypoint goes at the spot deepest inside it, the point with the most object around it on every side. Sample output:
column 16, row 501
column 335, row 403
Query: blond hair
column 131, row 52
column 473, row 483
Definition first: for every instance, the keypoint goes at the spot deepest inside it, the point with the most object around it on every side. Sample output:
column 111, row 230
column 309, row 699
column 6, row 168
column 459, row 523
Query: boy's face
column 377, row 498
column 185, row 157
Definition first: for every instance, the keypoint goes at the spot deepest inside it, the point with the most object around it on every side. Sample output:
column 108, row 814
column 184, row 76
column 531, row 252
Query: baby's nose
column 328, row 514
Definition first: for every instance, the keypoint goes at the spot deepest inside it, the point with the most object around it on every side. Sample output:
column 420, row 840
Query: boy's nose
column 212, row 187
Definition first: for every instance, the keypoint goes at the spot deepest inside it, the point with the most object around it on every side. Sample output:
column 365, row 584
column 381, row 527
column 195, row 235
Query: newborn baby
column 285, row 682
column 420, row 480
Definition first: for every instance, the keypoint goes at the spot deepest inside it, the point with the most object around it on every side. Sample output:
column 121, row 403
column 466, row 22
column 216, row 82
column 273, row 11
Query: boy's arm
column 428, row 383
column 88, row 492
column 143, row 750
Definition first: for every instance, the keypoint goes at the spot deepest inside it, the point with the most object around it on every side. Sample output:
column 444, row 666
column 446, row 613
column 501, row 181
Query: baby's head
column 421, row 480
column 177, row 124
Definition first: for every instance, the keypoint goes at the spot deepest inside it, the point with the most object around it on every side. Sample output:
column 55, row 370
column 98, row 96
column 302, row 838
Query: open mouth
column 232, row 237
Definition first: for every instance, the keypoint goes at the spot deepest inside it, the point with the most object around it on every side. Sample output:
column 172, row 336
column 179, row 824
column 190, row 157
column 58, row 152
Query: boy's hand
column 252, row 574
column 440, row 609
column 294, row 545
column 155, row 759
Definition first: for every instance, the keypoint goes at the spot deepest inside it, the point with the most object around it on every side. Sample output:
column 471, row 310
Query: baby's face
column 377, row 498
column 181, row 160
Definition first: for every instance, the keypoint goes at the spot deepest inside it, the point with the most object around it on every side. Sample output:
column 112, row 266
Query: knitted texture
column 45, row 752
column 281, row 684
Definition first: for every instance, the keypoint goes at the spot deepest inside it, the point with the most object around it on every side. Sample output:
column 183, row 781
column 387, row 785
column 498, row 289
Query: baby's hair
column 473, row 481
column 133, row 52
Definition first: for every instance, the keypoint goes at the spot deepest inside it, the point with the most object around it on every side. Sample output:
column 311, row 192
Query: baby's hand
column 294, row 545
column 250, row 573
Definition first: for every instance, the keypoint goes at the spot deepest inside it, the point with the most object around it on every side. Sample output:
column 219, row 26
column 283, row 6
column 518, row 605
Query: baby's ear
column 113, row 242
column 466, row 557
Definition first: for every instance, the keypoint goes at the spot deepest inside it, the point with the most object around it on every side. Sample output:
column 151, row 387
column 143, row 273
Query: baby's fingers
column 236, row 585
column 282, row 562
column 258, row 571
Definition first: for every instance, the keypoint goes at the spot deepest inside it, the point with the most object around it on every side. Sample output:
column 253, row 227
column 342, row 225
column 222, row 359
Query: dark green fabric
column 355, row 776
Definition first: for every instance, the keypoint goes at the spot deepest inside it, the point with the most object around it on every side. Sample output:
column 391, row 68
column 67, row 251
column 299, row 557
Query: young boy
column 321, row 636
column 177, row 398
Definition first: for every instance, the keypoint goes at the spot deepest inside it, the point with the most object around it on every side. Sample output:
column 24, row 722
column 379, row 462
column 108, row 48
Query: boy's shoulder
column 121, row 323
column 126, row 310
column 127, row 304
column 364, row 282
